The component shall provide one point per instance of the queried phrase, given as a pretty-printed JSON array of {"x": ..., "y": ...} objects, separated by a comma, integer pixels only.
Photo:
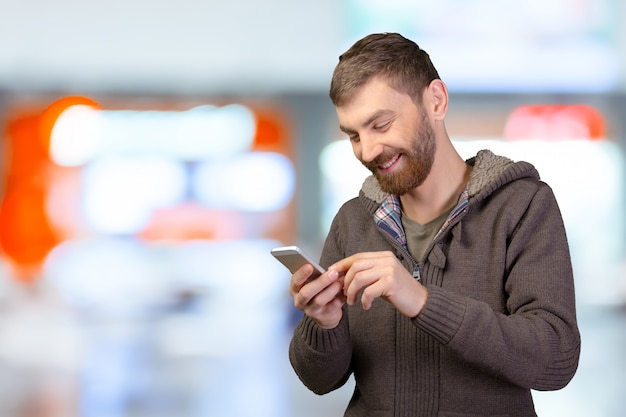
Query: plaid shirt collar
[{"x": 388, "y": 216}]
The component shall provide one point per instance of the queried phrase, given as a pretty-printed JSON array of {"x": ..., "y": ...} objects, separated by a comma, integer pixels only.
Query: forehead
[{"x": 375, "y": 97}]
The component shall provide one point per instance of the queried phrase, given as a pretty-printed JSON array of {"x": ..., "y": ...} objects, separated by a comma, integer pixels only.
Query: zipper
[
  {"x": 416, "y": 265},
  {"x": 457, "y": 213}
]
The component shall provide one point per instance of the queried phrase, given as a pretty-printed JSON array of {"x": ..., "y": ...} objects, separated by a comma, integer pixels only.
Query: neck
[{"x": 439, "y": 193}]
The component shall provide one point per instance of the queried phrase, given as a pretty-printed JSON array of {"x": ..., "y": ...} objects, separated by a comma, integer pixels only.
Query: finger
[
  {"x": 370, "y": 294},
  {"x": 308, "y": 290},
  {"x": 302, "y": 274},
  {"x": 345, "y": 264},
  {"x": 300, "y": 278},
  {"x": 312, "y": 302},
  {"x": 365, "y": 272},
  {"x": 351, "y": 266},
  {"x": 337, "y": 302},
  {"x": 359, "y": 280}
]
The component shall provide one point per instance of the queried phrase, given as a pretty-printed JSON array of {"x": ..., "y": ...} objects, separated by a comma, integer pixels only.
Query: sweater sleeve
[
  {"x": 321, "y": 357},
  {"x": 536, "y": 343}
]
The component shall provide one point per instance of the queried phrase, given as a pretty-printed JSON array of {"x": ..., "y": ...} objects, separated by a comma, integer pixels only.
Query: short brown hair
[{"x": 401, "y": 61}]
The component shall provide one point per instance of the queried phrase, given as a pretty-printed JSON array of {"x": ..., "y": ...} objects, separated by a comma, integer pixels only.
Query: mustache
[{"x": 380, "y": 160}]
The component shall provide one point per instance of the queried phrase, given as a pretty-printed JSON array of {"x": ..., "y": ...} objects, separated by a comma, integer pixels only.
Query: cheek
[{"x": 356, "y": 149}]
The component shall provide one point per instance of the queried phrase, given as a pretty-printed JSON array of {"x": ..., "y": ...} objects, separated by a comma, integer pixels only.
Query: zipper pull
[{"x": 416, "y": 272}]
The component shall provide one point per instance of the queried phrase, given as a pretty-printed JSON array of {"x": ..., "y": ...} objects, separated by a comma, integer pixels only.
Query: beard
[{"x": 417, "y": 162}]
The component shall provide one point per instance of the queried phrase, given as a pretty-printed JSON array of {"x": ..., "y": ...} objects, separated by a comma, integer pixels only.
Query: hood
[{"x": 490, "y": 172}]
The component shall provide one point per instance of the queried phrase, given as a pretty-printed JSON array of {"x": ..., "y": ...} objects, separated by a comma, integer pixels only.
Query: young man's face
[{"x": 390, "y": 135}]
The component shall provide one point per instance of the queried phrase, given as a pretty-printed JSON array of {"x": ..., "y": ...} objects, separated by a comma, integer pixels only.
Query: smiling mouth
[{"x": 389, "y": 163}]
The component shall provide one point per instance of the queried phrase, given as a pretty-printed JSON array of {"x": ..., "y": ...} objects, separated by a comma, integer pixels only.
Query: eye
[
  {"x": 383, "y": 125},
  {"x": 354, "y": 137}
]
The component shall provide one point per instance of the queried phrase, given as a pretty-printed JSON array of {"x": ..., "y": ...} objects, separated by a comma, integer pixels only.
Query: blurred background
[{"x": 154, "y": 152}]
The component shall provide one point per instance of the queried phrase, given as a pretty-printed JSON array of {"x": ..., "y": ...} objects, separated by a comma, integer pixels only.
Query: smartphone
[{"x": 293, "y": 258}]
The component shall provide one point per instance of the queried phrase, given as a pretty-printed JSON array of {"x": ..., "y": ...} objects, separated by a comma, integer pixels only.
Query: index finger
[{"x": 345, "y": 264}]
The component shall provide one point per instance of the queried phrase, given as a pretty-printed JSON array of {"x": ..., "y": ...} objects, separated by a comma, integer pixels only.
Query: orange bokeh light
[
  {"x": 555, "y": 122},
  {"x": 26, "y": 235}
]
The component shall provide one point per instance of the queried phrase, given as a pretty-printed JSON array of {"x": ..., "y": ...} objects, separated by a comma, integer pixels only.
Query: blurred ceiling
[
  {"x": 190, "y": 46},
  {"x": 274, "y": 46}
]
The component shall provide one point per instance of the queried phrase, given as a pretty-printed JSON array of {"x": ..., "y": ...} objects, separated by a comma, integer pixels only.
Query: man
[{"x": 449, "y": 288}]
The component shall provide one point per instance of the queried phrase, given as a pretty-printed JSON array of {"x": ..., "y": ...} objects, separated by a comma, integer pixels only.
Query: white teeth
[{"x": 389, "y": 163}]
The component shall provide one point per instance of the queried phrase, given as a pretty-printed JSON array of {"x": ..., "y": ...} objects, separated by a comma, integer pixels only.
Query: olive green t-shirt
[{"x": 419, "y": 236}]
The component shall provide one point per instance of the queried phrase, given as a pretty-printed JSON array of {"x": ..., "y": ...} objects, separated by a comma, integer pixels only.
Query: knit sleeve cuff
[
  {"x": 324, "y": 340},
  {"x": 442, "y": 314}
]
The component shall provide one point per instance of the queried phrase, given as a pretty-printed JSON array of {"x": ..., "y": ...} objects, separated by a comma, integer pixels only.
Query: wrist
[{"x": 420, "y": 301}]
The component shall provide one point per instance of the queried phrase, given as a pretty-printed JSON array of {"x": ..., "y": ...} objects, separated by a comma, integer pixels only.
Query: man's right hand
[{"x": 321, "y": 298}]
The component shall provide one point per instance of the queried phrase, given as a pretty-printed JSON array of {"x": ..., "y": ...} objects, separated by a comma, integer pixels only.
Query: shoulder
[{"x": 492, "y": 172}]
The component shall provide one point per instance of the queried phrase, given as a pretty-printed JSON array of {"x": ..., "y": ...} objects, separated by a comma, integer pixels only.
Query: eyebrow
[{"x": 374, "y": 116}]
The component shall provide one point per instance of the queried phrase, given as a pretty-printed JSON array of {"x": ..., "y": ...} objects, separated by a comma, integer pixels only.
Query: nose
[{"x": 369, "y": 149}]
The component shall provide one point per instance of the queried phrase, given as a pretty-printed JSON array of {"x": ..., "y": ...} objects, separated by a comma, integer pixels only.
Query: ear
[{"x": 437, "y": 94}]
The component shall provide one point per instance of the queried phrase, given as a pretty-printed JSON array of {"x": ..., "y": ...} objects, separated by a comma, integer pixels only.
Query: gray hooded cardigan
[{"x": 500, "y": 315}]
